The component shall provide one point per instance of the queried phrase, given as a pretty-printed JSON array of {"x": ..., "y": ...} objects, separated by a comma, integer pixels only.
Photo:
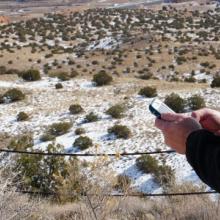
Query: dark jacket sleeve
[{"x": 203, "y": 153}]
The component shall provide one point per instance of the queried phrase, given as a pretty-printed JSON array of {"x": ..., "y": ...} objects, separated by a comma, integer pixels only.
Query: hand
[
  {"x": 209, "y": 119},
  {"x": 176, "y": 128}
]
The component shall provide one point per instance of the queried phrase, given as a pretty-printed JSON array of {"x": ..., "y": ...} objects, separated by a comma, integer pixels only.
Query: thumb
[{"x": 161, "y": 124}]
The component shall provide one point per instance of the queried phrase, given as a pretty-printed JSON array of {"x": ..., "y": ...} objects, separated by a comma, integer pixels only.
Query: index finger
[
  {"x": 200, "y": 114},
  {"x": 172, "y": 116}
]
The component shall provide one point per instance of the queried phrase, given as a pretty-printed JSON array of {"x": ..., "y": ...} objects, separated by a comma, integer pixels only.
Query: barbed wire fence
[
  {"x": 123, "y": 154},
  {"x": 84, "y": 154}
]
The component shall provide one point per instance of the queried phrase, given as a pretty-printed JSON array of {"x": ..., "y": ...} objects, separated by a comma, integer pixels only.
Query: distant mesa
[{"x": 4, "y": 20}]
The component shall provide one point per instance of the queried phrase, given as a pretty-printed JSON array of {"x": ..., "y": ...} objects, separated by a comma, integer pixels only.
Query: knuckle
[
  {"x": 205, "y": 110},
  {"x": 194, "y": 114}
]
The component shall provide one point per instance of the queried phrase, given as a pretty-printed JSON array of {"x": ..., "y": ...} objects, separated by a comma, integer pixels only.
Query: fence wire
[
  {"x": 98, "y": 155},
  {"x": 83, "y": 154}
]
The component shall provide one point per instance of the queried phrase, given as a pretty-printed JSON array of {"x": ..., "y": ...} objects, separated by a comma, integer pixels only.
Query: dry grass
[
  {"x": 15, "y": 206},
  {"x": 129, "y": 208},
  {"x": 97, "y": 206},
  {"x": 4, "y": 140},
  {"x": 21, "y": 57}
]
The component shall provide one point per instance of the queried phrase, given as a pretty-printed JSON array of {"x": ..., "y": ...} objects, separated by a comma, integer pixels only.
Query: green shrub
[
  {"x": 173, "y": 79},
  {"x": 74, "y": 73},
  {"x": 146, "y": 76},
  {"x": 120, "y": 131},
  {"x": 196, "y": 102},
  {"x": 22, "y": 142},
  {"x": 75, "y": 109},
  {"x": 48, "y": 55},
  {"x": 91, "y": 117},
  {"x": 58, "y": 86},
  {"x": 55, "y": 175},
  {"x": 63, "y": 76},
  {"x": 171, "y": 66},
  {"x": 190, "y": 79},
  {"x": 123, "y": 183},
  {"x": 180, "y": 60},
  {"x": 80, "y": 131},
  {"x": 47, "y": 137},
  {"x": 175, "y": 102},
  {"x": 163, "y": 174},
  {"x": 147, "y": 164},
  {"x": 22, "y": 116},
  {"x": 71, "y": 62},
  {"x": 31, "y": 75},
  {"x": 95, "y": 62},
  {"x": 148, "y": 92},
  {"x": 59, "y": 128},
  {"x": 2, "y": 70},
  {"x": 83, "y": 142},
  {"x": 13, "y": 71},
  {"x": 205, "y": 64},
  {"x": 12, "y": 95},
  {"x": 102, "y": 78},
  {"x": 202, "y": 81},
  {"x": 116, "y": 111},
  {"x": 215, "y": 82}
]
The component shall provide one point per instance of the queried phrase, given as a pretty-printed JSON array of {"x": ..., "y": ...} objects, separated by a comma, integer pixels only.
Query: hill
[{"x": 81, "y": 82}]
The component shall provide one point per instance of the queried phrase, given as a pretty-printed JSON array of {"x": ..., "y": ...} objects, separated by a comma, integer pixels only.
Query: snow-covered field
[{"x": 47, "y": 105}]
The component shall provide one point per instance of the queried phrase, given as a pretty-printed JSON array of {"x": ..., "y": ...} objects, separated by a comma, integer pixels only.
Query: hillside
[{"x": 81, "y": 82}]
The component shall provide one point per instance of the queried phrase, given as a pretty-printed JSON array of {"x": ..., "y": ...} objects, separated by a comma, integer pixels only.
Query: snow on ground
[
  {"x": 132, "y": 4},
  {"x": 200, "y": 76},
  {"x": 104, "y": 43},
  {"x": 47, "y": 105}
]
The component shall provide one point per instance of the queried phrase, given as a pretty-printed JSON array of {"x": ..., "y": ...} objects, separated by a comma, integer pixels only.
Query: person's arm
[
  {"x": 203, "y": 154},
  {"x": 201, "y": 146}
]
